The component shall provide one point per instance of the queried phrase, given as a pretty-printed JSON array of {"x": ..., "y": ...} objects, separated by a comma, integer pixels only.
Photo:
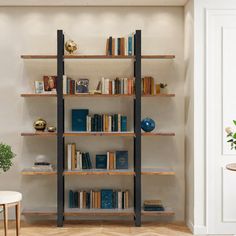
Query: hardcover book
[
  {"x": 106, "y": 198},
  {"x": 79, "y": 119},
  {"x": 121, "y": 159},
  {"x": 101, "y": 161}
]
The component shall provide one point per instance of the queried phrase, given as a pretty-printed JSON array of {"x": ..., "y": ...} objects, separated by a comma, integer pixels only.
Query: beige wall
[{"x": 33, "y": 30}]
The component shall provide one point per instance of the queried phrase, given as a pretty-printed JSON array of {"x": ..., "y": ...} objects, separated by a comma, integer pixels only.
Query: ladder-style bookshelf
[{"x": 61, "y": 134}]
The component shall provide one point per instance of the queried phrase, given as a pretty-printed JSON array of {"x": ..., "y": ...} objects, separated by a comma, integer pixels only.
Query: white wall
[
  {"x": 33, "y": 30},
  {"x": 189, "y": 108}
]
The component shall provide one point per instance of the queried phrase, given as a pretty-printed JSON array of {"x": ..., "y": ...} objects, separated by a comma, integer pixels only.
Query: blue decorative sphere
[{"x": 148, "y": 124}]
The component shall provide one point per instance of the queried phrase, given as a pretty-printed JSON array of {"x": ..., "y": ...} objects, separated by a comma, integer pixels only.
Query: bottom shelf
[
  {"x": 94, "y": 212},
  {"x": 99, "y": 212}
]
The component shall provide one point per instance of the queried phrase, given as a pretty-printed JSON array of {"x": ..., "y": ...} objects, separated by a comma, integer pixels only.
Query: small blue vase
[{"x": 148, "y": 124}]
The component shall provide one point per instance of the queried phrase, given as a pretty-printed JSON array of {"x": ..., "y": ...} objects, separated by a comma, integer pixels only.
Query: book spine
[
  {"x": 110, "y": 46},
  {"x": 119, "y": 200},
  {"x": 130, "y": 44},
  {"x": 108, "y": 160},
  {"x": 119, "y": 122},
  {"x": 81, "y": 199},
  {"x": 69, "y": 157},
  {"x": 119, "y": 51}
]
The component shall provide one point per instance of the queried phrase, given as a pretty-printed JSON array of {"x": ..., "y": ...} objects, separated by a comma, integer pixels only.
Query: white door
[{"x": 220, "y": 111}]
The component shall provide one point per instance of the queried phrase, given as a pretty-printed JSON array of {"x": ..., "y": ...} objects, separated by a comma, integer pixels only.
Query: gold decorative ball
[
  {"x": 70, "y": 46},
  {"x": 40, "y": 124},
  {"x": 51, "y": 129}
]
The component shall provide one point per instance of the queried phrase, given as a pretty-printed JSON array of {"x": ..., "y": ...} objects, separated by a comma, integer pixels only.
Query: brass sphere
[
  {"x": 40, "y": 124},
  {"x": 70, "y": 46}
]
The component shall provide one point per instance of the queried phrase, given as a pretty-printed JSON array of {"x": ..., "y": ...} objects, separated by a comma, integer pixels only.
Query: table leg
[
  {"x": 17, "y": 218},
  {"x": 5, "y": 213}
]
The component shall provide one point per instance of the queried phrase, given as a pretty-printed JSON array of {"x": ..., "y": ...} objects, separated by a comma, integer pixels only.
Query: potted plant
[{"x": 6, "y": 157}]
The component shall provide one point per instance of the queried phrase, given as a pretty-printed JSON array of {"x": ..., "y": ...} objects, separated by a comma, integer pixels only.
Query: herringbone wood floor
[{"x": 99, "y": 229}]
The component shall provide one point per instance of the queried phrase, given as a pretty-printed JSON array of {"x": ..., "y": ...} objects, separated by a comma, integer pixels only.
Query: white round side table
[{"x": 10, "y": 199}]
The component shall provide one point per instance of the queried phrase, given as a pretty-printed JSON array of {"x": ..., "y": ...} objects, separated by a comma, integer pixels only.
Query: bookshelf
[{"x": 60, "y": 212}]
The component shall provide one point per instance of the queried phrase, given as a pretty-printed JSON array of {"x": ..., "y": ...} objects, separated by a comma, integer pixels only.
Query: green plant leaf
[
  {"x": 6, "y": 156},
  {"x": 231, "y": 140},
  {"x": 234, "y": 135},
  {"x": 234, "y": 122}
]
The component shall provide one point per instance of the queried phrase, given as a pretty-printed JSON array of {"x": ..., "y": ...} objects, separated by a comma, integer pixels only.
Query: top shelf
[{"x": 96, "y": 57}]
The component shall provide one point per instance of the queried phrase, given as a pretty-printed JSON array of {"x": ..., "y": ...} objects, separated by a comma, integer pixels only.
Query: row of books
[
  {"x": 99, "y": 199},
  {"x": 148, "y": 85},
  {"x": 117, "y": 86},
  {"x": 72, "y": 86},
  {"x": 153, "y": 205},
  {"x": 106, "y": 123},
  {"x": 77, "y": 160},
  {"x": 120, "y": 46},
  {"x": 112, "y": 160},
  {"x": 82, "y": 121}
]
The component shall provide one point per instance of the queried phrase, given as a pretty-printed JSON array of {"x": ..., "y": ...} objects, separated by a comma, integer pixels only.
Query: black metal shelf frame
[{"x": 60, "y": 129}]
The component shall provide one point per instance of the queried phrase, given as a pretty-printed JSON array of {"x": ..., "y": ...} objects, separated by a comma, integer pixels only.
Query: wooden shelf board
[
  {"x": 98, "y": 212},
  {"x": 158, "y": 134},
  {"x": 32, "y": 172},
  {"x": 158, "y": 56},
  {"x": 100, "y": 172},
  {"x": 38, "y": 56},
  {"x": 167, "y": 212},
  {"x": 38, "y": 95},
  {"x": 159, "y": 95},
  {"x": 42, "y": 134},
  {"x": 120, "y": 134},
  {"x": 40, "y": 212},
  {"x": 157, "y": 171},
  {"x": 98, "y": 95},
  {"x": 96, "y": 57}
]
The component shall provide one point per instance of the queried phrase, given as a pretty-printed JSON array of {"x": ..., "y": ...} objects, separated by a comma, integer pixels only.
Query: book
[
  {"x": 71, "y": 199},
  {"x": 101, "y": 161},
  {"x": 79, "y": 119},
  {"x": 123, "y": 123},
  {"x": 68, "y": 156},
  {"x": 106, "y": 198},
  {"x": 122, "y": 159},
  {"x": 82, "y": 86}
]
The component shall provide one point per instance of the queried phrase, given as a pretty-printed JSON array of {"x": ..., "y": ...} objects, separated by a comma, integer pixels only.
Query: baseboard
[{"x": 196, "y": 230}]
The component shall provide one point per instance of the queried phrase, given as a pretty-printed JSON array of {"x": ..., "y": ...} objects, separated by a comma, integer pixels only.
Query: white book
[
  {"x": 64, "y": 84},
  {"x": 110, "y": 123},
  {"x": 119, "y": 122},
  {"x": 122, "y": 85},
  {"x": 125, "y": 85},
  {"x": 108, "y": 159},
  {"x": 78, "y": 161},
  {"x": 91, "y": 198},
  {"x": 103, "y": 85},
  {"x": 89, "y": 124},
  {"x": 119, "y": 200},
  {"x": 69, "y": 156},
  {"x": 81, "y": 199},
  {"x": 126, "y": 46},
  {"x": 116, "y": 46},
  {"x": 113, "y": 86},
  {"x": 106, "y": 86}
]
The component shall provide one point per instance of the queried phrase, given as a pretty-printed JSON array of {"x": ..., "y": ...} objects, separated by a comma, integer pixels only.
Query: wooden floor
[{"x": 99, "y": 229}]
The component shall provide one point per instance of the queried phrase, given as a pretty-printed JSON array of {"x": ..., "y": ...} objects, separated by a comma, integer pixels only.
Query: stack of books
[
  {"x": 120, "y": 46},
  {"x": 106, "y": 123},
  {"x": 42, "y": 166},
  {"x": 148, "y": 86},
  {"x": 99, "y": 199},
  {"x": 112, "y": 160},
  {"x": 76, "y": 160},
  {"x": 116, "y": 86},
  {"x": 153, "y": 205}
]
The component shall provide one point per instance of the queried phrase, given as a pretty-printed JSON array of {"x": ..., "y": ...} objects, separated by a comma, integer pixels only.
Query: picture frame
[{"x": 39, "y": 87}]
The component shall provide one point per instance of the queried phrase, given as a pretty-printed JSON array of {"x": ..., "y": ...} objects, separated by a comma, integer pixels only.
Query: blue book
[
  {"x": 71, "y": 199},
  {"x": 101, "y": 161},
  {"x": 76, "y": 199},
  {"x": 106, "y": 198},
  {"x": 123, "y": 123},
  {"x": 88, "y": 160},
  {"x": 79, "y": 122},
  {"x": 121, "y": 159},
  {"x": 130, "y": 51}
]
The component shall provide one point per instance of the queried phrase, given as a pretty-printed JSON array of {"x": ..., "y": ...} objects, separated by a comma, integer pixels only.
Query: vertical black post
[
  {"x": 137, "y": 129},
  {"x": 60, "y": 129}
]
